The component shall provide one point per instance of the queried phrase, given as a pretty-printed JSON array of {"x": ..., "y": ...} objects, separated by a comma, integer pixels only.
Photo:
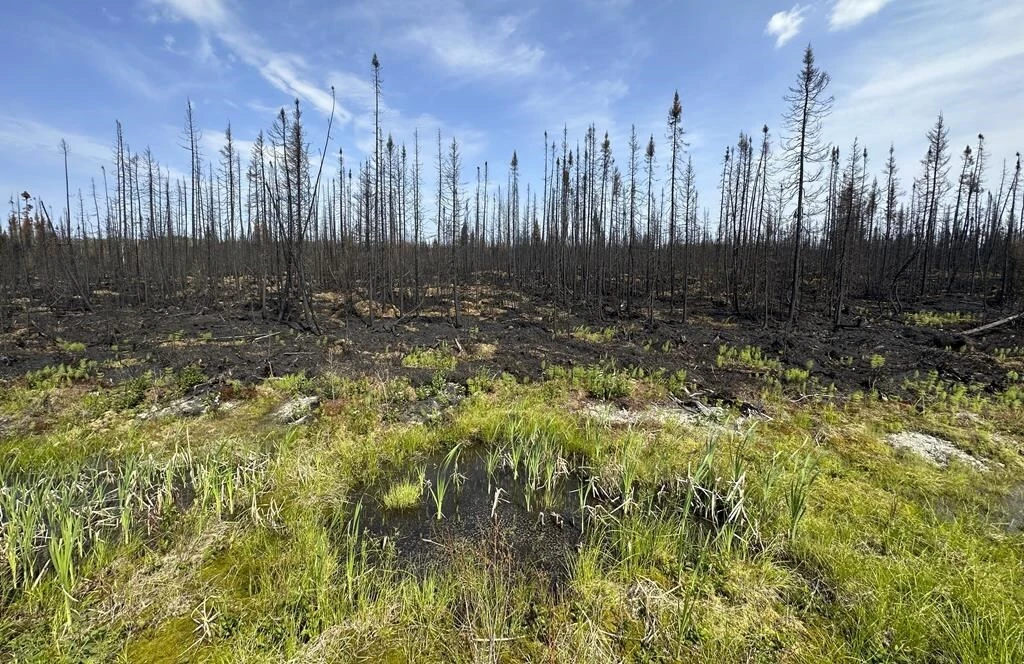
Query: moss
[{"x": 168, "y": 642}]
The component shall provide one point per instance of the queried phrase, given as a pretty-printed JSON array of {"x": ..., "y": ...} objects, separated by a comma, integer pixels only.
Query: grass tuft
[{"x": 402, "y": 495}]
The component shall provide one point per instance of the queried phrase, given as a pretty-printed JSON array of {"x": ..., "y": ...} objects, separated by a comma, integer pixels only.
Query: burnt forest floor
[{"x": 540, "y": 483}]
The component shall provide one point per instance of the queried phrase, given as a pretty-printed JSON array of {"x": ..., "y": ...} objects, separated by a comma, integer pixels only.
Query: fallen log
[{"x": 992, "y": 325}]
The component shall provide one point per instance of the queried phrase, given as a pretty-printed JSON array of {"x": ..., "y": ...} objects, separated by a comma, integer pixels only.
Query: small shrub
[
  {"x": 296, "y": 383},
  {"x": 676, "y": 383},
  {"x": 796, "y": 376},
  {"x": 125, "y": 396},
  {"x": 188, "y": 377}
]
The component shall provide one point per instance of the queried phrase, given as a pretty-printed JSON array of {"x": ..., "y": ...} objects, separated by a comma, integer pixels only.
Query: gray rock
[
  {"x": 184, "y": 407},
  {"x": 296, "y": 411},
  {"x": 938, "y": 451}
]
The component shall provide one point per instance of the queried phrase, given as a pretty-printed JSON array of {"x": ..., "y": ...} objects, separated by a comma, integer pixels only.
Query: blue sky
[{"x": 495, "y": 75}]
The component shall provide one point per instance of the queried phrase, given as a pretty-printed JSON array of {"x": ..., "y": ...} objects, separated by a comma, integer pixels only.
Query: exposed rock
[
  {"x": 611, "y": 414},
  {"x": 296, "y": 411},
  {"x": 938, "y": 451},
  {"x": 184, "y": 407},
  {"x": 432, "y": 407}
]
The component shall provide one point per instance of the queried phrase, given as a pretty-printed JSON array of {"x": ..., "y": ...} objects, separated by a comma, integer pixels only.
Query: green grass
[
  {"x": 803, "y": 537},
  {"x": 439, "y": 359},
  {"x": 402, "y": 495}
]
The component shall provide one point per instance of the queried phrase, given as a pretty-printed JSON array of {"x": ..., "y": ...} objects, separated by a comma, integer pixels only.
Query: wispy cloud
[
  {"x": 576, "y": 104},
  {"x": 291, "y": 73},
  {"x": 848, "y": 13},
  {"x": 920, "y": 65},
  {"x": 110, "y": 16},
  {"x": 124, "y": 64},
  {"x": 285, "y": 71},
  {"x": 466, "y": 47},
  {"x": 212, "y": 141},
  {"x": 785, "y": 25},
  {"x": 34, "y": 147},
  {"x": 40, "y": 140},
  {"x": 463, "y": 42},
  {"x": 209, "y": 13}
]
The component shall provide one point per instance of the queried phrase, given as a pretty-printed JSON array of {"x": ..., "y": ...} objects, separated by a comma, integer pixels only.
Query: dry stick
[
  {"x": 992, "y": 325},
  {"x": 406, "y": 315},
  {"x": 309, "y": 215},
  {"x": 245, "y": 337}
]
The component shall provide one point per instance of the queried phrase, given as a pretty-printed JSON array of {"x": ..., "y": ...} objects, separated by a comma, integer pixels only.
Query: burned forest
[{"x": 303, "y": 400}]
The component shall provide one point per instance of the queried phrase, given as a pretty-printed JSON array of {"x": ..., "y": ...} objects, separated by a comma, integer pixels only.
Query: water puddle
[{"x": 475, "y": 498}]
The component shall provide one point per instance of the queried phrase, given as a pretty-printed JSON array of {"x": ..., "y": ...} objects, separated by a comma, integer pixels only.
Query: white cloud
[
  {"x": 212, "y": 141},
  {"x": 110, "y": 16},
  {"x": 576, "y": 104},
  {"x": 351, "y": 88},
  {"x": 785, "y": 25},
  {"x": 32, "y": 137},
  {"x": 285, "y": 71},
  {"x": 461, "y": 40},
  {"x": 211, "y": 13},
  {"x": 290, "y": 73},
  {"x": 469, "y": 48},
  {"x": 34, "y": 147},
  {"x": 126, "y": 65},
  {"x": 919, "y": 65},
  {"x": 848, "y": 13}
]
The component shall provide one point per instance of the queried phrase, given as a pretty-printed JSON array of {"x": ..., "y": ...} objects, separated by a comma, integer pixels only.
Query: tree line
[{"x": 801, "y": 223}]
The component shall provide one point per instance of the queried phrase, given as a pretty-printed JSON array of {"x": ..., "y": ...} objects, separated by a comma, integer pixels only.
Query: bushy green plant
[
  {"x": 796, "y": 376},
  {"x": 125, "y": 396},
  {"x": 188, "y": 377}
]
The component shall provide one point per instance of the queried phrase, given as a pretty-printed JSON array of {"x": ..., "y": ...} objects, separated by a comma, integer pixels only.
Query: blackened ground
[
  {"x": 503, "y": 333},
  {"x": 542, "y": 537}
]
